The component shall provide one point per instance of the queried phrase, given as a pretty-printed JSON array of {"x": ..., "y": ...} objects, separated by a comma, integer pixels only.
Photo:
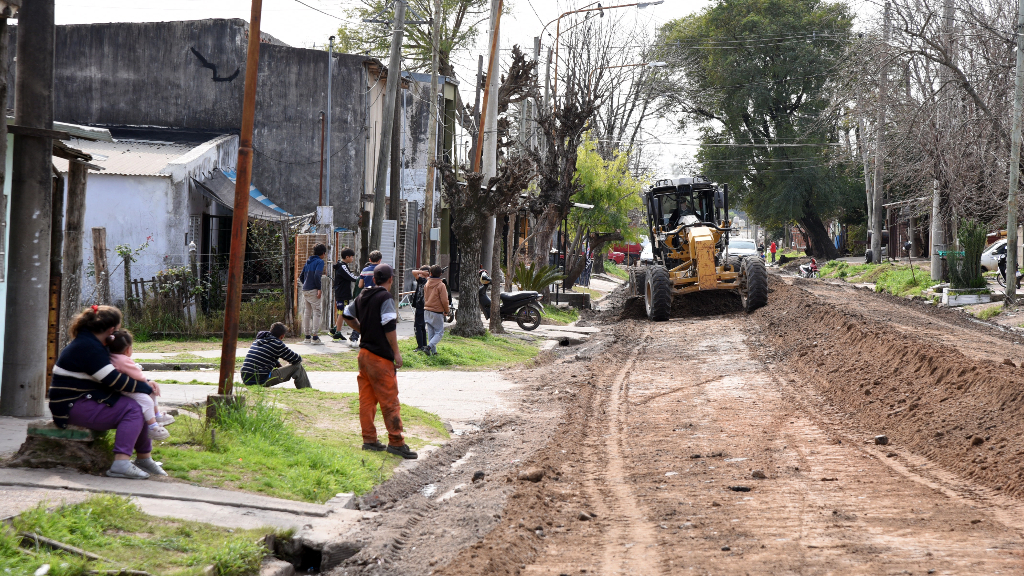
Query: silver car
[{"x": 742, "y": 247}]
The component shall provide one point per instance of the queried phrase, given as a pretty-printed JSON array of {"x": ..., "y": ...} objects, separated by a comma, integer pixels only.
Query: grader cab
[{"x": 689, "y": 226}]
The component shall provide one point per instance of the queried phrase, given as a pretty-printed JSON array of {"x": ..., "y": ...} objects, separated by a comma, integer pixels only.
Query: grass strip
[
  {"x": 487, "y": 351},
  {"x": 116, "y": 529},
  {"x": 295, "y": 444},
  {"x": 559, "y": 315},
  {"x": 613, "y": 269},
  {"x": 895, "y": 279}
]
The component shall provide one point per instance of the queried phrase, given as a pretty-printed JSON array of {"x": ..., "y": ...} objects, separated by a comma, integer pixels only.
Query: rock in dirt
[
  {"x": 726, "y": 548},
  {"x": 584, "y": 517},
  {"x": 977, "y": 441},
  {"x": 1008, "y": 362},
  {"x": 275, "y": 567},
  {"x": 759, "y": 474},
  {"x": 531, "y": 474},
  {"x": 882, "y": 440},
  {"x": 740, "y": 488},
  {"x": 830, "y": 479},
  {"x": 478, "y": 476}
]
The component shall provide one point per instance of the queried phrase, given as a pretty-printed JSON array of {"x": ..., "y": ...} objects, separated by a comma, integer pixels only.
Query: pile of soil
[
  {"x": 793, "y": 264},
  {"x": 960, "y": 411}
]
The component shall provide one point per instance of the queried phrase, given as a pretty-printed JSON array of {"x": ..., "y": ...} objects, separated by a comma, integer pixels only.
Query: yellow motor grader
[{"x": 689, "y": 226}]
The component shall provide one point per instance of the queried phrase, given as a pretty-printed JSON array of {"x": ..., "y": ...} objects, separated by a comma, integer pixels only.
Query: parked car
[
  {"x": 617, "y": 257},
  {"x": 742, "y": 247},
  {"x": 630, "y": 252},
  {"x": 989, "y": 262}
]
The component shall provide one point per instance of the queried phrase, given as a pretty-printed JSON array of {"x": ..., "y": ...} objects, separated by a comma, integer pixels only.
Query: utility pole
[
  {"x": 489, "y": 125},
  {"x": 883, "y": 96},
  {"x": 327, "y": 163},
  {"x": 938, "y": 232},
  {"x": 240, "y": 220},
  {"x": 1011, "y": 202},
  {"x": 386, "y": 125},
  {"x": 428, "y": 200},
  {"x": 23, "y": 385}
]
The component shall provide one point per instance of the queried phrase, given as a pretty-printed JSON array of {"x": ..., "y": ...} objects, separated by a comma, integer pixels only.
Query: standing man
[
  {"x": 311, "y": 294},
  {"x": 418, "y": 301},
  {"x": 343, "y": 279},
  {"x": 373, "y": 314},
  {"x": 366, "y": 281},
  {"x": 435, "y": 304},
  {"x": 772, "y": 249}
]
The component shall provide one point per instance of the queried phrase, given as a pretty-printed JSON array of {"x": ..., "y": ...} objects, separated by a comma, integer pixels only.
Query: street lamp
[
  {"x": 590, "y": 76},
  {"x": 601, "y": 9}
]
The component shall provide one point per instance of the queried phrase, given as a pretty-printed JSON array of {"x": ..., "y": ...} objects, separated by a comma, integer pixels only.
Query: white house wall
[{"x": 134, "y": 209}]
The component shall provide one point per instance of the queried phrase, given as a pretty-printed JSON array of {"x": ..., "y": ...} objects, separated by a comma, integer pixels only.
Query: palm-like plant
[{"x": 536, "y": 278}]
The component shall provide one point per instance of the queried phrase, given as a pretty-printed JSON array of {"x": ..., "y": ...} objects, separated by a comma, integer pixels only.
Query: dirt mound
[
  {"x": 793, "y": 264},
  {"x": 959, "y": 411}
]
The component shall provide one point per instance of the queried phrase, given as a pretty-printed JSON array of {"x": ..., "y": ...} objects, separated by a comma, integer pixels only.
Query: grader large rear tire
[
  {"x": 637, "y": 282},
  {"x": 733, "y": 264},
  {"x": 658, "y": 294},
  {"x": 755, "y": 284}
]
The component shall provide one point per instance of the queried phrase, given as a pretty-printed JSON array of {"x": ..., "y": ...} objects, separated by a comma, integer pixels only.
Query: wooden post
[
  {"x": 56, "y": 248},
  {"x": 71, "y": 287},
  {"x": 99, "y": 258}
]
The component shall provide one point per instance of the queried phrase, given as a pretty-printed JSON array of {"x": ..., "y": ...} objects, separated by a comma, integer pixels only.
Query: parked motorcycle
[
  {"x": 809, "y": 270},
  {"x": 1001, "y": 277},
  {"x": 521, "y": 307}
]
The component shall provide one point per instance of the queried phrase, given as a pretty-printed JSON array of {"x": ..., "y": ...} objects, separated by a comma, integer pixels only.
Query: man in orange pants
[{"x": 373, "y": 315}]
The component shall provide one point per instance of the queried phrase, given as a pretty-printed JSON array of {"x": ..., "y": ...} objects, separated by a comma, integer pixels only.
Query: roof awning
[{"x": 220, "y": 188}]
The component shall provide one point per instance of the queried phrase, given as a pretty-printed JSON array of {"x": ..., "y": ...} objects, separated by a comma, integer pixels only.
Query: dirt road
[{"x": 728, "y": 444}]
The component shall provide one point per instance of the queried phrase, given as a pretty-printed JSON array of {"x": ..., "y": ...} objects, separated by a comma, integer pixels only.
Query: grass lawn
[
  {"x": 594, "y": 294},
  {"x": 613, "y": 269},
  {"x": 115, "y": 529},
  {"x": 559, "y": 315},
  {"x": 177, "y": 345},
  {"x": 295, "y": 444},
  {"x": 896, "y": 279},
  {"x": 487, "y": 351}
]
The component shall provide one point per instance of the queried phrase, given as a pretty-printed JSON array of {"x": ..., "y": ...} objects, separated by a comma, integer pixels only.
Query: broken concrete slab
[{"x": 164, "y": 489}]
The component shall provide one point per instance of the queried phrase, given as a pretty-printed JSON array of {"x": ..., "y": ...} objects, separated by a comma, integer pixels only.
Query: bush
[
  {"x": 965, "y": 264},
  {"x": 535, "y": 278}
]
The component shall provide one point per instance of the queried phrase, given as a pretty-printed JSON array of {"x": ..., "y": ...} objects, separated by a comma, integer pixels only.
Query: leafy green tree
[
  {"x": 759, "y": 78},
  {"x": 613, "y": 192},
  {"x": 461, "y": 22}
]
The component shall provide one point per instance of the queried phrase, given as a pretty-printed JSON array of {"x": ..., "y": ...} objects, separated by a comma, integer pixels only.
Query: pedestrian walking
[
  {"x": 374, "y": 315},
  {"x": 366, "y": 281},
  {"x": 344, "y": 277},
  {"x": 435, "y": 308},
  {"x": 772, "y": 249},
  {"x": 420, "y": 325},
  {"x": 262, "y": 366},
  {"x": 312, "y": 294}
]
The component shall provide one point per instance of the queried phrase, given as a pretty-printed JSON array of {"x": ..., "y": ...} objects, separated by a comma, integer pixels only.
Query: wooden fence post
[
  {"x": 71, "y": 291},
  {"x": 99, "y": 258}
]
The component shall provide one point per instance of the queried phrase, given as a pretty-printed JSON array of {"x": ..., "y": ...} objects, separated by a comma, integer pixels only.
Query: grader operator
[{"x": 688, "y": 224}]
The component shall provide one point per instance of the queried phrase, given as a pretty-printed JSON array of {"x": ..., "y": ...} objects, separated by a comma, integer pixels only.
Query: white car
[
  {"x": 988, "y": 257},
  {"x": 742, "y": 247}
]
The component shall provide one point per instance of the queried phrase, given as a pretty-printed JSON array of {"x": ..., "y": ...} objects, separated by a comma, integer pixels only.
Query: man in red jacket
[{"x": 772, "y": 249}]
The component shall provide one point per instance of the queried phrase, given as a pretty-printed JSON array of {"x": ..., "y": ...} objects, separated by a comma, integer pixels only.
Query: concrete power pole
[
  {"x": 428, "y": 200},
  {"x": 1011, "y": 202},
  {"x": 490, "y": 152},
  {"x": 938, "y": 234},
  {"x": 883, "y": 96},
  {"x": 23, "y": 387},
  {"x": 386, "y": 125},
  {"x": 327, "y": 161}
]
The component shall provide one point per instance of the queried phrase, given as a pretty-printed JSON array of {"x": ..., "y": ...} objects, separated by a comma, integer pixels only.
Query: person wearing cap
[{"x": 374, "y": 316}]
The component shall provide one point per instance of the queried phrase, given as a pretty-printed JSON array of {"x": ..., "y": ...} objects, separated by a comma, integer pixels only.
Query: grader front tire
[
  {"x": 755, "y": 280},
  {"x": 658, "y": 294}
]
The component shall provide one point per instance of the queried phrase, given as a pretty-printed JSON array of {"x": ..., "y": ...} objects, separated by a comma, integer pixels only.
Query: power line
[{"x": 318, "y": 10}]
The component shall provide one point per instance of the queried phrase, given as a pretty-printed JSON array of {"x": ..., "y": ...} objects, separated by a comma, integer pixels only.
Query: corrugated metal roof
[{"x": 126, "y": 157}]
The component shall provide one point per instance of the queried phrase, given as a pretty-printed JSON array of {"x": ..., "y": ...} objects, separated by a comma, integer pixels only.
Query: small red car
[{"x": 617, "y": 257}]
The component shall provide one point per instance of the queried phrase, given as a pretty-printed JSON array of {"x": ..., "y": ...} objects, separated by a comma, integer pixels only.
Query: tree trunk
[
  {"x": 496, "y": 283},
  {"x": 467, "y": 317},
  {"x": 598, "y": 242},
  {"x": 547, "y": 225},
  {"x": 819, "y": 245}
]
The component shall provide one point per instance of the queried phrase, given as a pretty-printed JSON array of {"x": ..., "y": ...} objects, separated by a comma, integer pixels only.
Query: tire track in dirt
[{"x": 630, "y": 542}]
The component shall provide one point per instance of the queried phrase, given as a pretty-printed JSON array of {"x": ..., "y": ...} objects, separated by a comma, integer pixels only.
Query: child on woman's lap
[{"x": 120, "y": 349}]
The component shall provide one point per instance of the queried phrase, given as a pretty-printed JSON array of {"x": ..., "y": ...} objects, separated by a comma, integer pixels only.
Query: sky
[{"x": 311, "y": 22}]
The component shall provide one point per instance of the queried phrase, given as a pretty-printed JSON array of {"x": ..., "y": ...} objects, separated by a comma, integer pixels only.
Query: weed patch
[
  {"x": 115, "y": 529},
  {"x": 613, "y": 269},
  {"x": 559, "y": 315},
  {"x": 295, "y": 444},
  {"x": 988, "y": 312},
  {"x": 896, "y": 279}
]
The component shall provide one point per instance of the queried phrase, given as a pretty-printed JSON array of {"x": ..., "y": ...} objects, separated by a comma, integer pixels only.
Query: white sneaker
[
  {"x": 164, "y": 419},
  {"x": 129, "y": 471},
  {"x": 158, "y": 432},
  {"x": 353, "y": 344},
  {"x": 149, "y": 466}
]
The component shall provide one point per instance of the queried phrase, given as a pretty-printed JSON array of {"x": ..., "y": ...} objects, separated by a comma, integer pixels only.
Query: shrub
[
  {"x": 965, "y": 264},
  {"x": 535, "y": 278}
]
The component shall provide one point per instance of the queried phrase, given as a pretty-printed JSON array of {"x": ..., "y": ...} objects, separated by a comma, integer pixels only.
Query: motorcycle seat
[{"x": 520, "y": 295}]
